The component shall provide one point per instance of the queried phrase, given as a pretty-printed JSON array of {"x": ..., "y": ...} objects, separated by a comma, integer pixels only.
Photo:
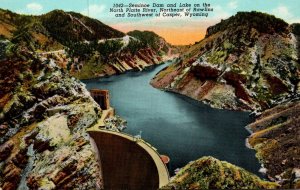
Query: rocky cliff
[
  {"x": 247, "y": 62},
  {"x": 276, "y": 138},
  {"x": 44, "y": 114}
]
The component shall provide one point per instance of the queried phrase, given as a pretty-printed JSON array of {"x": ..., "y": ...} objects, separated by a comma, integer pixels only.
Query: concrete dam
[{"x": 128, "y": 162}]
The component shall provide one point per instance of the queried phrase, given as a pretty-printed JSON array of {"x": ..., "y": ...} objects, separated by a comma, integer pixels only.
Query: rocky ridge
[
  {"x": 136, "y": 51},
  {"x": 275, "y": 137},
  {"x": 242, "y": 64},
  {"x": 44, "y": 114},
  {"x": 248, "y": 62},
  {"x": 85, "y": 46}
]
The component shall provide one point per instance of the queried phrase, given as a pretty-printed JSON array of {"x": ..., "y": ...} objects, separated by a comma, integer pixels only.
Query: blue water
[{"x": 177, "y": 126}]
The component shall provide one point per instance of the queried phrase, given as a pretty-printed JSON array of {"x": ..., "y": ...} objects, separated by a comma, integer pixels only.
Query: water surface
[{"x": 177, "y": 126}]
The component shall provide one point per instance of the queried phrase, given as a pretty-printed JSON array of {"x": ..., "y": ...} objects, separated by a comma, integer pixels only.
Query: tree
[
  {"x": 134, "y": 46},
  {"x": 109, "y": 48},
  {"x": 81, "y": 50}
]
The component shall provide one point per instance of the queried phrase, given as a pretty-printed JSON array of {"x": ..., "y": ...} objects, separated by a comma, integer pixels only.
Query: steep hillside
[
  {"x": 151, "y": 39},
  {"x": 85, "y": 46},
  {"x": 210, "y": 173},
  {"x": 135, "y": 51},
  {"x": 247, "y": 62},
  {"x": 44, "y": 114},
  {"x": 54, "y": 30},
  {"x": 68, "y": 27},
  {"x": 276, "y": 138},
  {"x": 7, "y": 20}
]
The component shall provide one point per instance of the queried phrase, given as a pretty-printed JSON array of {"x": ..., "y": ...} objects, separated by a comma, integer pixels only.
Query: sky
[{"x": 177, "y": 31}]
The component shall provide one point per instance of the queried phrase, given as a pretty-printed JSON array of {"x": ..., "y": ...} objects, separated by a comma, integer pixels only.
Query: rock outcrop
[
  {"x": 242, "y": 64},
  {"x": 123, "y": 62},
  {"x": 44, "y": 114},
  {"x": 276, "y": 138},
  {"x": 137, "y": 51},
  {"x": 210, "y": 173}
]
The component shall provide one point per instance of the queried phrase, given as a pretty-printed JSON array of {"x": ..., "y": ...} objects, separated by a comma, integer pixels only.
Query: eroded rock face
[
  {"x": 43, "y": 121},
  {"x": 126, "y": 61},
  {"x": 276, "y": 138},
  {"x": 210, "y": 173},
  {"x": 242, "y": 64},
  {"x": 248, "y": 62},
  {"x": 128, "y": 58}
]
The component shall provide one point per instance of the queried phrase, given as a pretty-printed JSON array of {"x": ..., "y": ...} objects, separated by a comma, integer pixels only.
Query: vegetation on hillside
[
  {"x": 135, "y": 45},
  {"x": 210, "y": 173},
  {"x": 56, "y": 27},
  {"x": 80, "y": 43},
  {"x": 147, "y": 38},
  {"x": 109, "y": 48},
  {"x": 262, "y": 22},
  {"x": 255, "y": 60},
  {"x": 68, "y": 27}
]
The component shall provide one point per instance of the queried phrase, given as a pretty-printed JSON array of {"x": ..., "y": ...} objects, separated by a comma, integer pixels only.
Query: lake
[{"x": 177, "y": 126}]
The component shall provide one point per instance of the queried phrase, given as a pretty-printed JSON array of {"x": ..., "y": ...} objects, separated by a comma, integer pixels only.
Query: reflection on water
[{"x": 179, "y": 127}]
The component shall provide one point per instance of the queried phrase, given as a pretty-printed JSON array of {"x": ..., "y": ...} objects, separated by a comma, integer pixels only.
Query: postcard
[{"x": 137, "y": 95}]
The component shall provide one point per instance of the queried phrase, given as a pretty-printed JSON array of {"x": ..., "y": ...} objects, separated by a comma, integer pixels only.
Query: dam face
[{"x": 128, "y": 163}]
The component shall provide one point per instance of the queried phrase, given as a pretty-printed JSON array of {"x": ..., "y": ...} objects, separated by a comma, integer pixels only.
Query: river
[{"x": 177, "y": 126}]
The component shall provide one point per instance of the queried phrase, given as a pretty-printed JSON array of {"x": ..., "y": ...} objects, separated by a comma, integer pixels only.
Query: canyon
[{"x": 248, "y": 62}]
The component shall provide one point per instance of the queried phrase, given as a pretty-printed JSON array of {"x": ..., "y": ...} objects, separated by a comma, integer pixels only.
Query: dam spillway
[{"x": 128, "y": 162}]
